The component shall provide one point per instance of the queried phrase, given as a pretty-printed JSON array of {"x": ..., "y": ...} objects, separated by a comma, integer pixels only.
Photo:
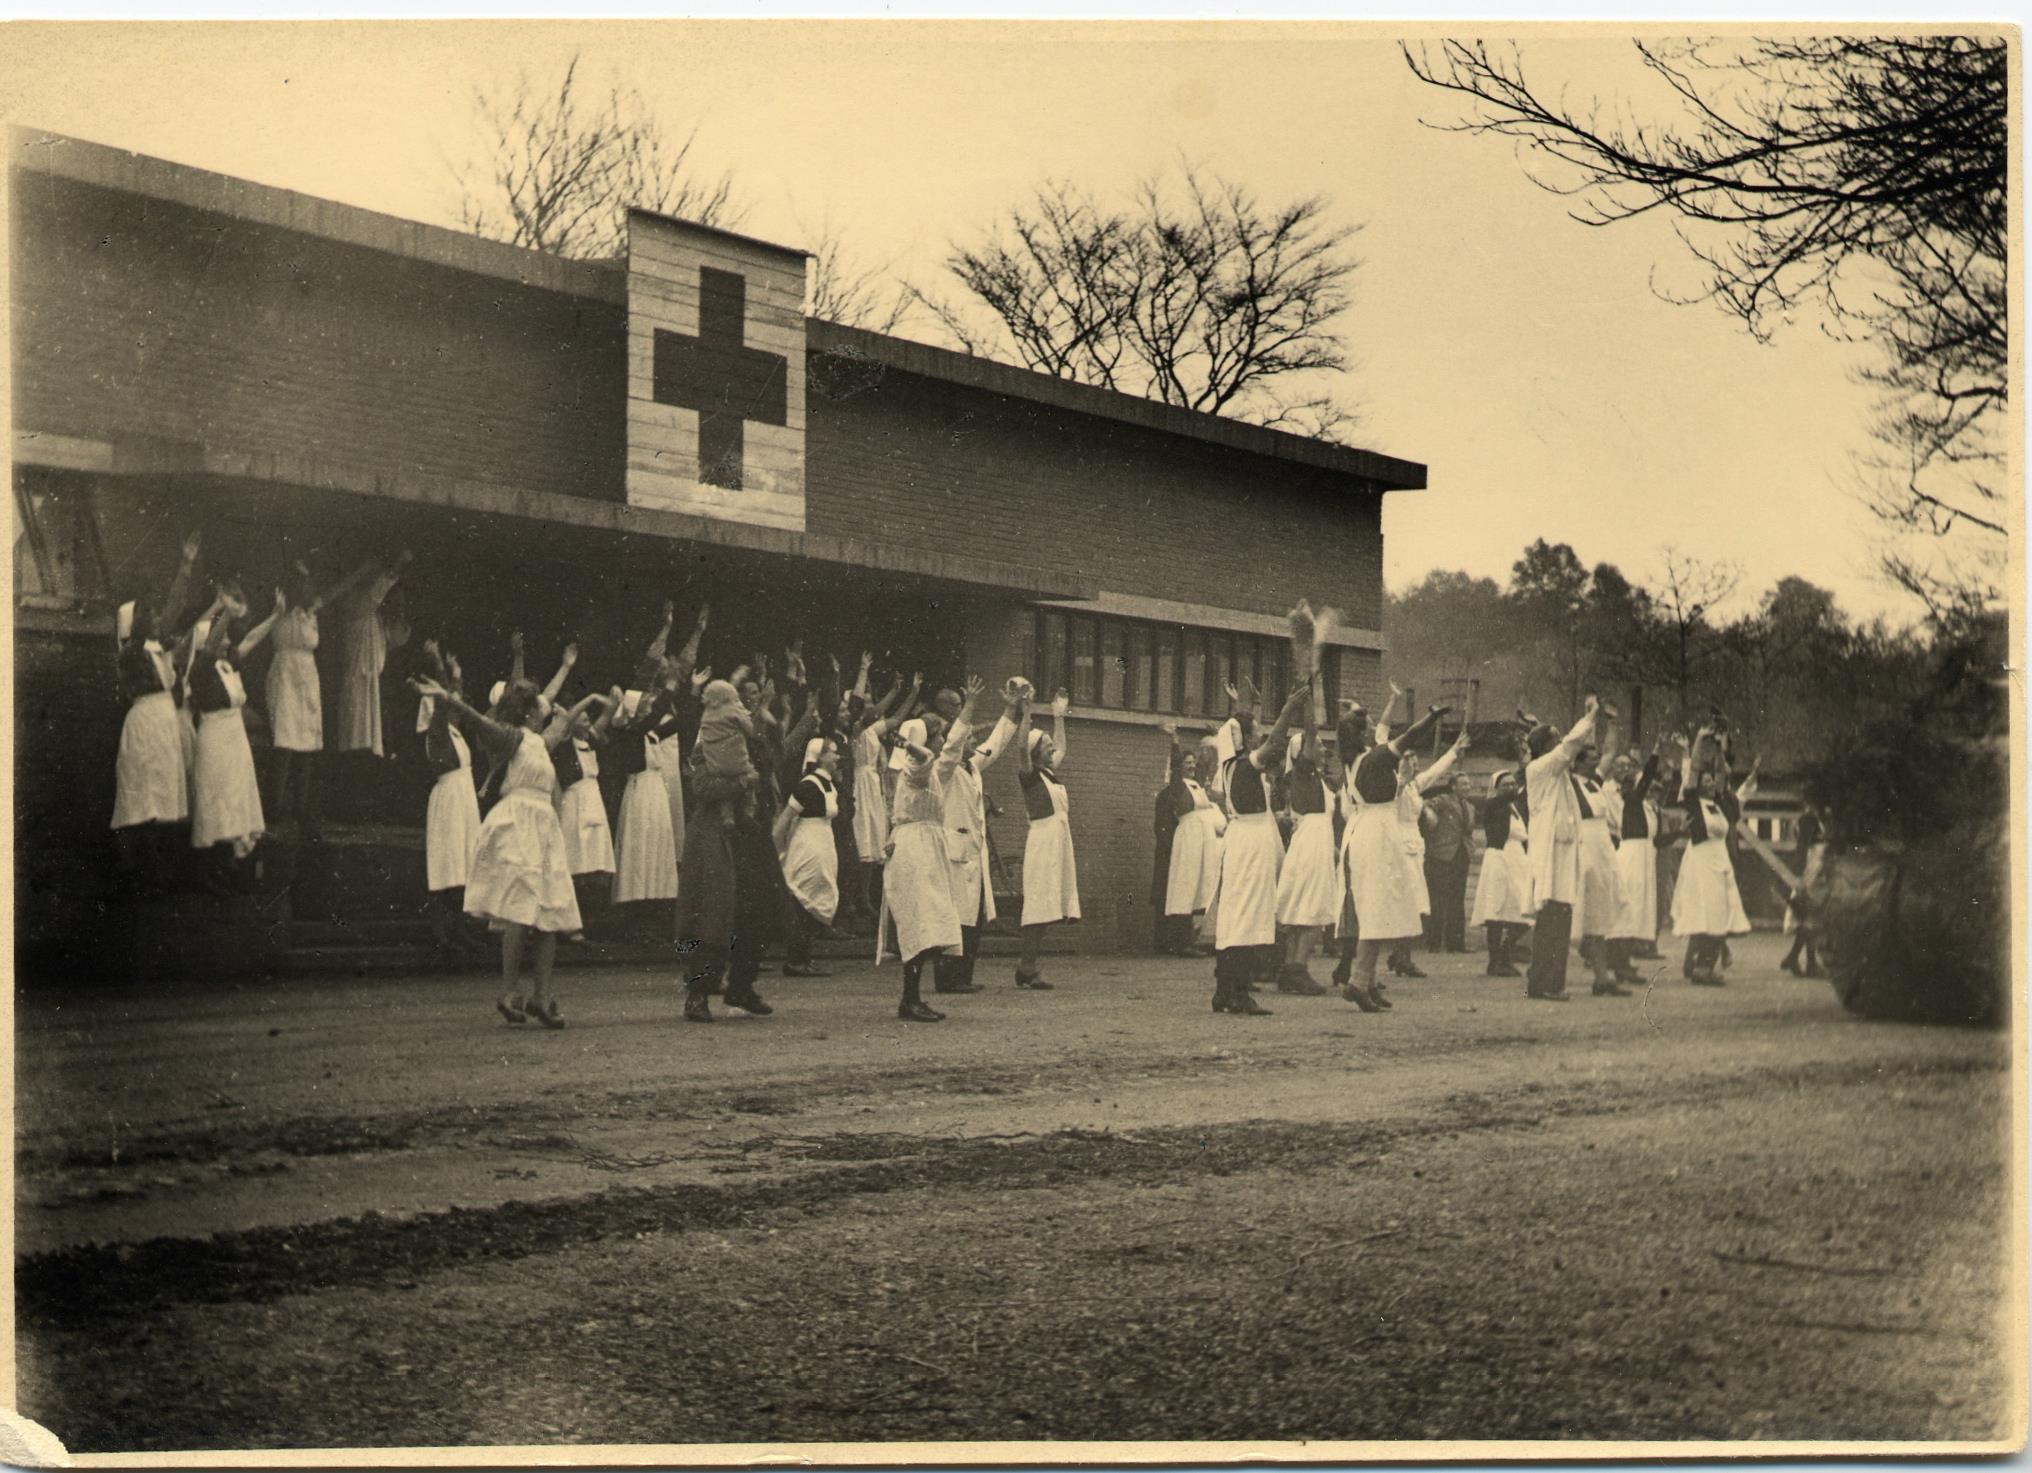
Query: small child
[{"x": 722, "y": 747}]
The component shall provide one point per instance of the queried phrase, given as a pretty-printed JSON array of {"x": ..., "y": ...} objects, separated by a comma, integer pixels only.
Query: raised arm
[
  {"x": 346, "y": 584},
  {"x": 1441, "y": 770},
  {"x": 515, "y": 663},
  {"x": 498, "y": 735},
  {"x": 559, "y": 728},
  {"x": 861, "y": 680},
  {"x": 1748, "y": 788},
  {"x": 661, "y": 643},
  {"x": 606, "y": 721},
  {"x": 1384, "y": 721},
  {"x": 1059, "y": 703},
  {"x": 1269, "y": 753},
  {"x": 179, "y": 585},
  {"x": 687, "y": 658},
  {"x": 987, "y": 752},
  {"x": 571, "y": 658},
  {"x": 960, "y": 729},
  {"x": 1413, "y": 734},
  {"x": 251, "y": 640}
]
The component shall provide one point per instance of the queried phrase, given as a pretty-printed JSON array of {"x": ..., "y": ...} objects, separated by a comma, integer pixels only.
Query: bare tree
[
  {"x": 838, "y": 288},
  {"x": 1684, "y": 598},
  {"x": 557, "y": 170},
  {"x": 1194, "y": 294},
  {"x": 1864, "y": 176}
]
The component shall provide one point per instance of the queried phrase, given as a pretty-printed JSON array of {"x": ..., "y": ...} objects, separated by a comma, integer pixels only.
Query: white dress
[
  {"x": 150, "y": 779},
  {"x": 1706, "y": 900},
  {"x": 1195, "y": 856},
  {"x": 1636, "y": 917},
  {"x": 1050, "y": 872},
  {"x": 296, "y": 713},
  {"x": 645, "y": 864},
  {"x": 1410, "y": 804},
  {"x": 519, "y": 874},
  {"x": 1503, "y": 893},
  {"x": 451, "y": 824},
  {"x": 1597, "y": 908},
  {"x": 811, "y": 860},
  {"x": 871, "y": 802},
  {"x": 227, "y": 798},
  {"x": 1377, "y": 868},
  {"x": 917, "y": 882},
  {"x": 364, "y": 654},
  {"x": 582, "y": 815},
  {"x": 1308, "y": 887},
  {"x": 1244, "y": 908}
]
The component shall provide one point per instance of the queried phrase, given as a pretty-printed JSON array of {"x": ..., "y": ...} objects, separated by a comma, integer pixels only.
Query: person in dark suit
[{"x": 1446, "y": 822}]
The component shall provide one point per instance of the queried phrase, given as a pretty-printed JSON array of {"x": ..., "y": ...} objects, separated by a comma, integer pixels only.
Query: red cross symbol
[{"x": 718, "y": 375}]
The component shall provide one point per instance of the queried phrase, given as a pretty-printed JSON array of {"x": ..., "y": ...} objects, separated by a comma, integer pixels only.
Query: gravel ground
[{"x": 277, "y": 1218}]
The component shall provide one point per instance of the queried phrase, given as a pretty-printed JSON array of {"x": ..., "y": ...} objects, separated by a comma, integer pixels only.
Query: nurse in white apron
[
  {"x": 1050, "y": 870},
  {"x": 1503, "y": 893},
  {"x": 226, "y": 798},
  {"x": 1373, "y": 857},
  {"x": 811, "y": 854},
  {"x": 1707, "y": 905},
  {"x": 1252, "y": 855},
  {"x": 451, "y": 823}
]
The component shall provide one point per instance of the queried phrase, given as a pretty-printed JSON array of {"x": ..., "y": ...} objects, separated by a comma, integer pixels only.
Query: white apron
[
  {"x": 1244, "y": 907},
  {"x": 151, "y": 783},
  {"x": 451, "y": 823},
  {"x": 582, "y": 815},
  {"x": 645, "y": 866},
  {"x": 1706, "y": 901},
  {"x": 1503, "y": 893},
  {"x": 1050, "y": 874},
  {"x": 296, "y": 714},
  {"x": 1308, "y": 888},
  {"x": 917, "y": 890},
  {"x": 1378, "y": 871},
  {"x": 811, "y": 861},
  {"x": 519, "y": 874},
  {"x": 871, "y": 801},
  {"x": 226, "y": 806},
  {"x": 1411, "y": 803},
  {"x": 667, "y": 758},
  {"x": 1636, "y": 916},
  {"x": 1596, "y": 909},
  {"x": 1195, "y": 856}
]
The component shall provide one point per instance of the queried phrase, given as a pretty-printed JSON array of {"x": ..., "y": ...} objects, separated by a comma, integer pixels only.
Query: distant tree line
[{"x": 1792, "y": 672}]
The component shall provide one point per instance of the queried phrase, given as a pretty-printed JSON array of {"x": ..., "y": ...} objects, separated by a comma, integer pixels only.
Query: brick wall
[
  {"x": 142, "y": 318},
  {"x": 943, "y": 467}
]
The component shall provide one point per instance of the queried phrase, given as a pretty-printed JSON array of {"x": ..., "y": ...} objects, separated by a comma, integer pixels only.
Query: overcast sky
[{"x": 1526, "y": 360}]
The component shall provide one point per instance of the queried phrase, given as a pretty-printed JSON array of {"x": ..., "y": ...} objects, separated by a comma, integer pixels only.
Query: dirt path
[{"x": 1102, "y": 1213}]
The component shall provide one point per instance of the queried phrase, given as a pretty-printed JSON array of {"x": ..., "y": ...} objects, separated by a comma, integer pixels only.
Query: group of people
[
  {"x": 185, "y": 775},
  {"x": 1287, "y": 845},
  {"x": 739, "y": 795},
  {"x": 742, "y": 793}
]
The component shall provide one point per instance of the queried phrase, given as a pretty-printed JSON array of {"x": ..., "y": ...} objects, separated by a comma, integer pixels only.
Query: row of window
[{"x": 1171, "y": 669}]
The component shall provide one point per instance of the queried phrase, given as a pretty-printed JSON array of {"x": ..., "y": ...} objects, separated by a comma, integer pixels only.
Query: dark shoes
[
  {"x": 1299, "y": 982},
  {"x": 1032, "y": 981},
  {"x": 1610, "y": 989},
  {"x": 511, "y": 1008},
  {"x": 917, "y": 1012},
  {"x": 1364, "y": 998},
  {"x": 792, "y": 970},
  {"x": 1503, "y": 969},
  {"x": 549, "y": 1016},
  {"x": 697, "y": 1009},
  {"x": 749, "y": 1001},
  {"x": 1560, "y": 996}
]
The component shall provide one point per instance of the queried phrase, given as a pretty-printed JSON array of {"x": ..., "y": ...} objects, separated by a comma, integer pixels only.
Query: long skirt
[
  {"x": 1308, "y": 890},
  {"x": 971, "y": 901},
  {"x": 811, "y": 868},
  {"x": 1379, "y": 875},
  {"x": 1706, "y": 901},
  {"x": 588, "y": 842},
  {"x": 1245, "y": 906},
  {"x": 296, "y": 713},
  {"x": 646, "y": 854},
  {"x": 226, "y": 806},
  {"x": 871, "y": 814},
  {"x": 1597, "y": 908},
  {"x": 1636, "y": 892},
  {"x": 150, "y": 780},
  {"x": 1503, "y": 893},
  {"x": 1050, "y": 875},
  {"x": 451, "y": 830},
  {"x": 1414, "y": 875},
  {"x": 360, "y": 712},
  {"x": 519, "y": 874},
  {"x": 667, "y": 760},
  {"x": 1195, "y": 863},
  {"x": 917, "y": 891}
]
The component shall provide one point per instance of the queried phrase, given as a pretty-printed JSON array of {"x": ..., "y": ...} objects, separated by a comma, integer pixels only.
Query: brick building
[{"x": 290, "y": 374}]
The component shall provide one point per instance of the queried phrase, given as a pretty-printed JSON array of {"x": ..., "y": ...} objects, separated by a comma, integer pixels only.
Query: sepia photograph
[{"x": 1013, "y": 742}]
